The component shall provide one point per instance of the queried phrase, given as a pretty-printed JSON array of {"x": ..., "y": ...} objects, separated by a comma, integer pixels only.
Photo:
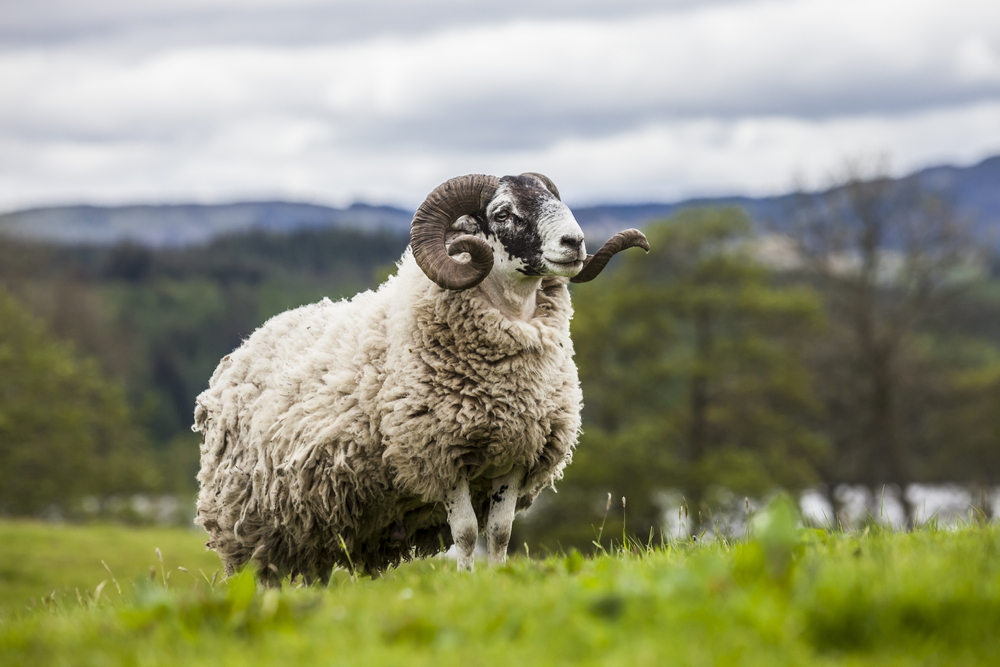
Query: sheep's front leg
[
  {"x": 464, "y": 526},
  {"x": 502, "y": 503}
]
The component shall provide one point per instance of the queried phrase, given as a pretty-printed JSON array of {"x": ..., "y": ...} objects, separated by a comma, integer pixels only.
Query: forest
[{"x": 856, "y": 346}]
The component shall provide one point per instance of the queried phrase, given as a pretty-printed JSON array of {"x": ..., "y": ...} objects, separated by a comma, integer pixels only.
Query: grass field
[
  {"x": 790, "y": 596},
  {"x": 39, "y": 558}
]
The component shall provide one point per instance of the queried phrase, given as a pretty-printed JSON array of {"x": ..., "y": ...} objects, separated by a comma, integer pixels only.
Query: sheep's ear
[{"x": 545, "y": 181}]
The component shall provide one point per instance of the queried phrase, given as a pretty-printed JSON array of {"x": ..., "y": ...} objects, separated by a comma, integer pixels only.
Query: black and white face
[{"x": 531, "y": 231}]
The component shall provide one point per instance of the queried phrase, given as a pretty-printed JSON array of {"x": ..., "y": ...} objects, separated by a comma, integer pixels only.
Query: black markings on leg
[
  {"x": 501, "y": 536},
  {"x": 465, "y": 541},
  {"x": 504, "y": 502},
  {"x": 464, "y": 526},
  {"x": 498, "y": 494}
]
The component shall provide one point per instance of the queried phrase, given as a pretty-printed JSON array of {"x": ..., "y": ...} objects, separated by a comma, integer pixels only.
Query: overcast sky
[{"x": 126, "y": 101}]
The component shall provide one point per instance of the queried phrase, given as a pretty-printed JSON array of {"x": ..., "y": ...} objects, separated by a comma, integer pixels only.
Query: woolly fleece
[{"x": 332, "y": 433}]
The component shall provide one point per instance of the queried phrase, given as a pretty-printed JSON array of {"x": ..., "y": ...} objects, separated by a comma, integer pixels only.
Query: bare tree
[{"x": 887, "y": 254}]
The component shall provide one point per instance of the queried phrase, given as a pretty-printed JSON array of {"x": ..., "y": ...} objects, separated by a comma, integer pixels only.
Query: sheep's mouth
[{"x": 568, "y": 269}]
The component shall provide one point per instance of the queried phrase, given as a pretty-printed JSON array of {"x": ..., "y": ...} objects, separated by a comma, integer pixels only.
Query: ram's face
[{"x": 531, "y": 231}]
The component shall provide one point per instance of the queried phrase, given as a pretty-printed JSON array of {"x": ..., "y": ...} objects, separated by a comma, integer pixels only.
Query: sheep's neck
[{"x": 515, "y": 299}]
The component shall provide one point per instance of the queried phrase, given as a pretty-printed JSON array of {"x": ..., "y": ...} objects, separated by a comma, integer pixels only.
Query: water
[{"x": 948, "y": 504}]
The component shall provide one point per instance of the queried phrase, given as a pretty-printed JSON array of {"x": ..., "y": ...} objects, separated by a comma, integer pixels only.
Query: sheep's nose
[{"x": 573, "y": 242}]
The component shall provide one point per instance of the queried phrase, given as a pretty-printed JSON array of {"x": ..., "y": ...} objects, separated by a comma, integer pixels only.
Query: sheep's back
[{"x": 280, "y": 420}]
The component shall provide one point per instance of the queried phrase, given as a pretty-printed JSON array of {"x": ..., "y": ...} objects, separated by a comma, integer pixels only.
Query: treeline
[
  {"x": 145, "y": 329},
  {"x": 858, "y": 345}
]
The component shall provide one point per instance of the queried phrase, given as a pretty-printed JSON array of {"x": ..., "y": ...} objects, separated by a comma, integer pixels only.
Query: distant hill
[
  {"x": 176, "y": 225},
  {"x": 975, "y": 190}
]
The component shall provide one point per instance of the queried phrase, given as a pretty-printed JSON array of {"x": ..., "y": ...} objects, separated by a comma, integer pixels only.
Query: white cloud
[
  {"x": 978, "y": 61},
  {"x": 688, "y": 99},
  {"x": 660, "y": 162}
]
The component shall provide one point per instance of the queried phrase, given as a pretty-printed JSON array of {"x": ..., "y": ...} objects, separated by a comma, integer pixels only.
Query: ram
[{"x": 370, "y": 431}]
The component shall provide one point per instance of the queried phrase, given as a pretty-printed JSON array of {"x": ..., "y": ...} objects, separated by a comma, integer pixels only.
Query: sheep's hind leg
[
  {"x": 464, "y": 526},
  {"x": 502, "y": 504}
]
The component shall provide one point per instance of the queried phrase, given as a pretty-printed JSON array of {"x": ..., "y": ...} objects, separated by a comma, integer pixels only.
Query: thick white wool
[{"x": 340, "y": 425}]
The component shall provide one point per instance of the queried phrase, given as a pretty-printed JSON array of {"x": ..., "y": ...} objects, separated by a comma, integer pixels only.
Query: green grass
[
  {"x": 39, "y": 558},
  {"x": 789, "y": 597}
]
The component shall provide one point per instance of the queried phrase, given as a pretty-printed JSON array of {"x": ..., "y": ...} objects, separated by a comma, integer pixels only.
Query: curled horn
[
  {"x": 462, "y": 195},
  {"x": 594, "y": 264},
  {"x": 546, "y": 181}
]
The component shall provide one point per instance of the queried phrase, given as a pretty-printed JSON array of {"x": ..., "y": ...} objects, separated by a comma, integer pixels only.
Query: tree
[
  {"x": 65, "y": 431},
  {"x": 887, "y": 255},
  {"x": 971, "y": 428},
  {"x": 691, "y": 360}
]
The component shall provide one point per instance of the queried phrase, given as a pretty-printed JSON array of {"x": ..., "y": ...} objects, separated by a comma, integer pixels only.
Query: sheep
[{"x": 371, "y": 431}]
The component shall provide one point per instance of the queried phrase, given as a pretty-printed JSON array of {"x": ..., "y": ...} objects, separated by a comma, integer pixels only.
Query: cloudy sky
[{"x": 124, "y": 101}]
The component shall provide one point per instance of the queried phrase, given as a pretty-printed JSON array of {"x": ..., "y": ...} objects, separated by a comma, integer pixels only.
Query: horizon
[{"x": 368, "y": 204}]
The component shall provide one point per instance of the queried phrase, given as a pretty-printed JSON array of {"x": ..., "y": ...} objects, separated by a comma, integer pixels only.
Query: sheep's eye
[{"x": 501, "y": 216}]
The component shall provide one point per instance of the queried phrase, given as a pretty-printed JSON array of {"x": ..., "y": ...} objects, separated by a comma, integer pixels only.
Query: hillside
[
  {"x": 974, "y": 190},
  {"x": 178, "y": 225}
]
